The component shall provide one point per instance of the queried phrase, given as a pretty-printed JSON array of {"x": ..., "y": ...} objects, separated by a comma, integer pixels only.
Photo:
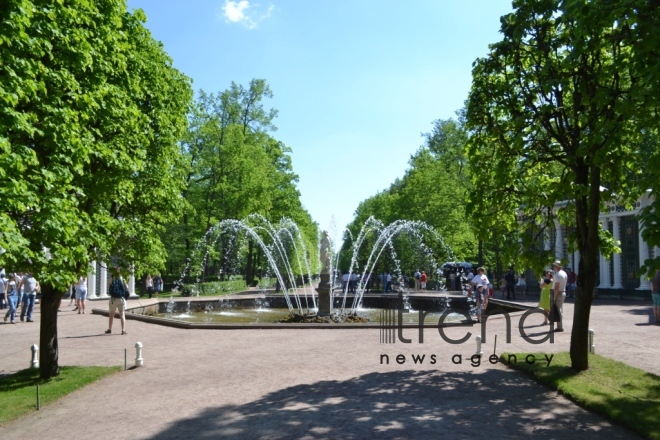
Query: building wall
[{"x": 618, "y": 272}]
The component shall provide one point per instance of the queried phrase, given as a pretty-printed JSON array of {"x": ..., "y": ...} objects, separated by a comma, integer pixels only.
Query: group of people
[
  {"x": 479, "y": 286},
  {"x": 512, "y": 285},
  {"x": 349, "y": 282},
  {"x": 420, "y": 280},
  {"x": 154, "y": 285},
  {"x": 553, "y": 293},
  {"x": 18, "y": 289},
  {"x": 554, "y": 285}
]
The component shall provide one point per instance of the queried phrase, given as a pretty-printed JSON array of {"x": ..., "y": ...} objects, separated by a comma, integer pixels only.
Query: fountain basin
[{"x": 270, "y": 307}]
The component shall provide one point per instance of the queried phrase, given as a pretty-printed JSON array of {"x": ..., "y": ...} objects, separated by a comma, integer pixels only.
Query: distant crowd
[{"x": 18, "y": 289}]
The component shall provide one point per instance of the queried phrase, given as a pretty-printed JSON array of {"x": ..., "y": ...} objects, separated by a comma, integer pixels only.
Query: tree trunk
[
  {"x": 48, "y": 350},
  {"x": 587, "y": 209},
  {"x": 584, "y": 295}
]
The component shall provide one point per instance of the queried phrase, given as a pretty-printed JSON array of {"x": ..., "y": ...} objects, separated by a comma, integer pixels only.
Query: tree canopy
[
  {"x": 91, "y": 111},
  {"x": 556, "y": 114},
  {"x": 433, "y": 190},
  {"x": 235, "y": 168}
]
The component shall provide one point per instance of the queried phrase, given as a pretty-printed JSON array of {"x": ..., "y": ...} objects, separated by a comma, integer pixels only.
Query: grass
[
  {"x": 624, "y": 394},
  {"x": 18, "y": 391}
]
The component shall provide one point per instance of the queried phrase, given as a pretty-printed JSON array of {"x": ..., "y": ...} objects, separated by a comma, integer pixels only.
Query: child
[{"x": 482, "y": 300}]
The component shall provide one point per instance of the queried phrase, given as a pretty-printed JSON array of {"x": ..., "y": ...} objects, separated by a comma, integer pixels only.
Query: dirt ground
[{"x": 305, "y": 384}]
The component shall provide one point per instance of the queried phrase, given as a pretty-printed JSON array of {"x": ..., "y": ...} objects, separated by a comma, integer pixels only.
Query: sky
[{"x": 356, "y": 83}]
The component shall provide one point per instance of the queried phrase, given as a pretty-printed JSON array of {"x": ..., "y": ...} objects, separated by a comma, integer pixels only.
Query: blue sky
[{"x": 355, "y": 82}]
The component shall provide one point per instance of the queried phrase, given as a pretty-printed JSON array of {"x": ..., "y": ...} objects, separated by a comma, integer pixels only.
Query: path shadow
[
  {"x": 642, "y": 311},
  {"x": 648, "y": 312},
  {"x": 402, "y": 404}
]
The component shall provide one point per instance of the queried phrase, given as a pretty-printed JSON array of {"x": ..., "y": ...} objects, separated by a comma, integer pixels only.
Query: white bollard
[
  {"x": 592, "y": 347},
  {"x": 138, "y": 354},
  {"x": 479, "y": 351},
  {"x": 35, "y": 356}
]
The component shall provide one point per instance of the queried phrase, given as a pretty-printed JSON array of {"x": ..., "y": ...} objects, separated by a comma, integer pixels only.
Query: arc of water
[
  {"x": 370, "y": 224},
  {"x": 274, "y": 234},
  {"x": 236, "y": 225},
  {"x": 279, "y": 246},
  {"x": 385, "y": 239},
  {"x": 287, "y": 225},
  {"x": 381, "y": 242}
]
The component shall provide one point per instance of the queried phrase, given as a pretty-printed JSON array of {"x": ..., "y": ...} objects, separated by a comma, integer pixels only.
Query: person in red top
[
  {"x": 423, "y": 279},
  {"x": 571, "y": 283}
]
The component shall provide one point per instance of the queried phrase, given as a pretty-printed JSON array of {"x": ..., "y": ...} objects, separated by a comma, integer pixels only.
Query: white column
[
  {"x": 644, "y": 283},
  {"x": 559, "y": 242},
  {"x": 576, "y": 261},
  {"x": 131, "y": 286},
  {"x": 91, "y": 281},
  {"x": 604, "y": 264},
  {"x": 616, "y": 232},
  {"x": 103, "y": 285}
]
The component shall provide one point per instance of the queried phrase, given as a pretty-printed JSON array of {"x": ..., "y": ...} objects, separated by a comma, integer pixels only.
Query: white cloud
[
  {"x": 234, "y": 10},
  {"x": 237, "y": 12}
]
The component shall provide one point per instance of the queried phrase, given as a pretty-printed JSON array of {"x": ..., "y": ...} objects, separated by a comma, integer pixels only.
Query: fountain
[{"x": 300, "y": 306}]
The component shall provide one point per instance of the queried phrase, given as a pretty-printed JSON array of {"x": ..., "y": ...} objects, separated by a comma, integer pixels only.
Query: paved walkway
[{"x": 314, "y": 383}]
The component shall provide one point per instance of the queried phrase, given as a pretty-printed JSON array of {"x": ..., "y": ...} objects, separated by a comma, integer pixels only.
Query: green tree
[
  {"x": 433, "y": 190},
  {"x": 90, "y": 113},
  {"x": 235, "y": 168},
  {"x": 554, "y": 112}
]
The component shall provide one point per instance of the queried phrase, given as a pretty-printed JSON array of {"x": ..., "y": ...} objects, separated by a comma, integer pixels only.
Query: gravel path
[{"x": 248, "y": 384}]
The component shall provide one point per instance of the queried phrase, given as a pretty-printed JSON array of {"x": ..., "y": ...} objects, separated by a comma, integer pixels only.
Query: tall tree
[
  {"x": 553, "y": 111},
  {"x": 235, "y": 168},
  {"x": 90, "y": 114}
]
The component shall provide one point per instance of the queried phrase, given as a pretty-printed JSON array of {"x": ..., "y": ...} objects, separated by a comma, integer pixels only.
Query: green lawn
[
  {"x": 624, "y": 394},
  {"x": 18, "y": 392}
]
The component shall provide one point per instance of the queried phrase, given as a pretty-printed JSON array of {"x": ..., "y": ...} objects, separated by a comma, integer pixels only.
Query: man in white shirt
[
  {"x": 352, "y": 282},
  {"x": 560, "y": 280},
  {"x": 344, "y": 282},
  {"x": 30, "y": 288},
  {"x": 480, "y": 279},
  {"x": 418, "y": 275}
]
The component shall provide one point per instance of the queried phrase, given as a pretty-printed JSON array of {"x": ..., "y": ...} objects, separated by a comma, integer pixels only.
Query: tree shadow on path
[{"x": 403, "y": 404}]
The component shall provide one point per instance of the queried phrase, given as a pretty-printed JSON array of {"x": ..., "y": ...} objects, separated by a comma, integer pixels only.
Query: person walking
[
  {"x": 560, "y": 293},
  {"x": 118, "y": 292},
  {"x": 352, "y": 282},
  {"x": 149, "y": 284},
  {"x": 521, "y": 286},
  {"x": 510, "y": 278},
  {"x": 571, "y": 285},
  {"x": 418, "y": 275},
  {"x": 30, "y": 288},
  {"x": 482, "y": 300},
  {"x": 544, "y": 301},
  {"x": 73, "y": 299},
  {"x": 3, "y": 289},
  {"x": 11, "y": 297},
  {"x": 158, "y": 284},
  {"x": 81, "y": 294},
  {"x": 655, "y": 294},
  {"x": 422, "y": 280},
  {"x": 20, "y": 292}
]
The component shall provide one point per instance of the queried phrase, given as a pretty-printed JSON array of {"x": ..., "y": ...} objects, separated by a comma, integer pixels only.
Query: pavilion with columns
[
  {"x": 98, "y": 280},
  {"x": 618, "y": 274}
]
